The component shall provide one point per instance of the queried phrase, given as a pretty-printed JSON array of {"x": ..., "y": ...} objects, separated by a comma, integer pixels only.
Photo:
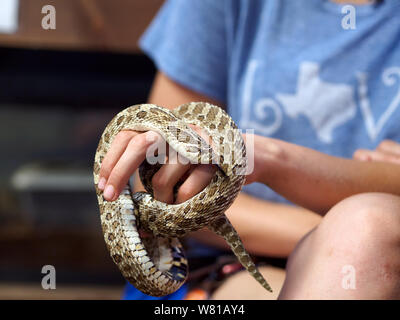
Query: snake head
[{"x": 138, "y": 197}]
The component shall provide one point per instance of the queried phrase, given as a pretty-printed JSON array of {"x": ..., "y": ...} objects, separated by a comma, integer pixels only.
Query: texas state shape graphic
[{"x": 326, "y": 105}]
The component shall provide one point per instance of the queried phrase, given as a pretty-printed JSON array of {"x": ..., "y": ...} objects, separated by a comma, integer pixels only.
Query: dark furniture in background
[{"x": 58, "y": 90}]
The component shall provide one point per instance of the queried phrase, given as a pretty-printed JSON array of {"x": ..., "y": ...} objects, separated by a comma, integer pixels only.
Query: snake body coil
[{"x": 156, "y": 265}]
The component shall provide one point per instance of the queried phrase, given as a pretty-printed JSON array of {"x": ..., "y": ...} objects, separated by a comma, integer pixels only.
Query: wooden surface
[
  {"x": 17, "y": 291},
  {"x": 34, "y": 247},
  {"x": 84, "y": 269},
  {"x": 79, "y": 256},
  {"x": 83, "y": 24}
]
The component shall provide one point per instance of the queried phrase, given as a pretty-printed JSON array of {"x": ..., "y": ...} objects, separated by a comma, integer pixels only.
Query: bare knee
[
  {"x": 361, "y": 220},
  {"x": 361, "y": 233}
]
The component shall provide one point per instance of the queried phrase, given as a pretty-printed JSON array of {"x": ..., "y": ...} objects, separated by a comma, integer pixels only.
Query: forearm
[
  {"x": 318, "y": 181},
  {"x": 267, "y": 228},
  {"x": 270, "y": 229}
]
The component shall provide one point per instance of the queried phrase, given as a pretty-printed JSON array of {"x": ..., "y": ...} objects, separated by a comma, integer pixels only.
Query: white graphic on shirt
[
  {"x": 261, "y": 107},
  {"x": 326, "y": 105},
  {"x": 261, "y": 111},
  {"x": 375, "y": 127}
]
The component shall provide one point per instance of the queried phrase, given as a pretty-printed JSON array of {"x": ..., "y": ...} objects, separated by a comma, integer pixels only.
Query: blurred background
[{"x": 58, "y": 90}]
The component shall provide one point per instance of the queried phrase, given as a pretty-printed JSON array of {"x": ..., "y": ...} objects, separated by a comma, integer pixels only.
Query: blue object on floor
[{"x": 131, "y": 293}]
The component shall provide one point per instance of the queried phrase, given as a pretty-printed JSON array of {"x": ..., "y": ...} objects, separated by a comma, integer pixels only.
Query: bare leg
[
  {"x": 353, "y": 254},
  {"x": 241, "y": 286}
]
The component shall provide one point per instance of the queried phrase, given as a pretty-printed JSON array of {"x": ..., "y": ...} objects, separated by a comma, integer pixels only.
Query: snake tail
[{"x": 224, "y": 228}]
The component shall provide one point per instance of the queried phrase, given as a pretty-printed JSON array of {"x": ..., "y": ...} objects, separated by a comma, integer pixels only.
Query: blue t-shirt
[{"x": 288, "y": 69}]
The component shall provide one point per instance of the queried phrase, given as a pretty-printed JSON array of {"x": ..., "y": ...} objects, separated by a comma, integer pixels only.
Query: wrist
[{"x": 265, "y": 156}]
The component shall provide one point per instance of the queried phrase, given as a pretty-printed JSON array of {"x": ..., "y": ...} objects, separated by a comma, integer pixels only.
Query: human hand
[
  {"x": 128, "y": 151},
  {"x": 387, "y": 151}
]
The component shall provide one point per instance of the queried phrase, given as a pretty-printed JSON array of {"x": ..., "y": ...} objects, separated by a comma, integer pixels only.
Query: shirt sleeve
[{"x": 187, "y": 41}]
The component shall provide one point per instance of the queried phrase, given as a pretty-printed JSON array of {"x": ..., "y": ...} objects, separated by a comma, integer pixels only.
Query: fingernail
[
  {"x": 102, "y": 183},
  {"x": 151, "y": 136},
  {"x": 109, "y": 192}
]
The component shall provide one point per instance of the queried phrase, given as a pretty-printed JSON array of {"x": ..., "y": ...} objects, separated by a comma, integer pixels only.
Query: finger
[
  {"x": 116, "y": 150},
  {"x": 165, "y": 179},
  {"x": 201, "y": 133},
  {"x": 389, "y": 146},
  {"x": 197, "y": 181},
  {"x": 361, "y": 155},
  {"x": 378, "y": 156},
  {"x": 129, "y": 161}
]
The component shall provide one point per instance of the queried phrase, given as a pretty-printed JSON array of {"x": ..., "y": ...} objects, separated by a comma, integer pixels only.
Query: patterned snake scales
[{"x": 156, "y": 264}]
